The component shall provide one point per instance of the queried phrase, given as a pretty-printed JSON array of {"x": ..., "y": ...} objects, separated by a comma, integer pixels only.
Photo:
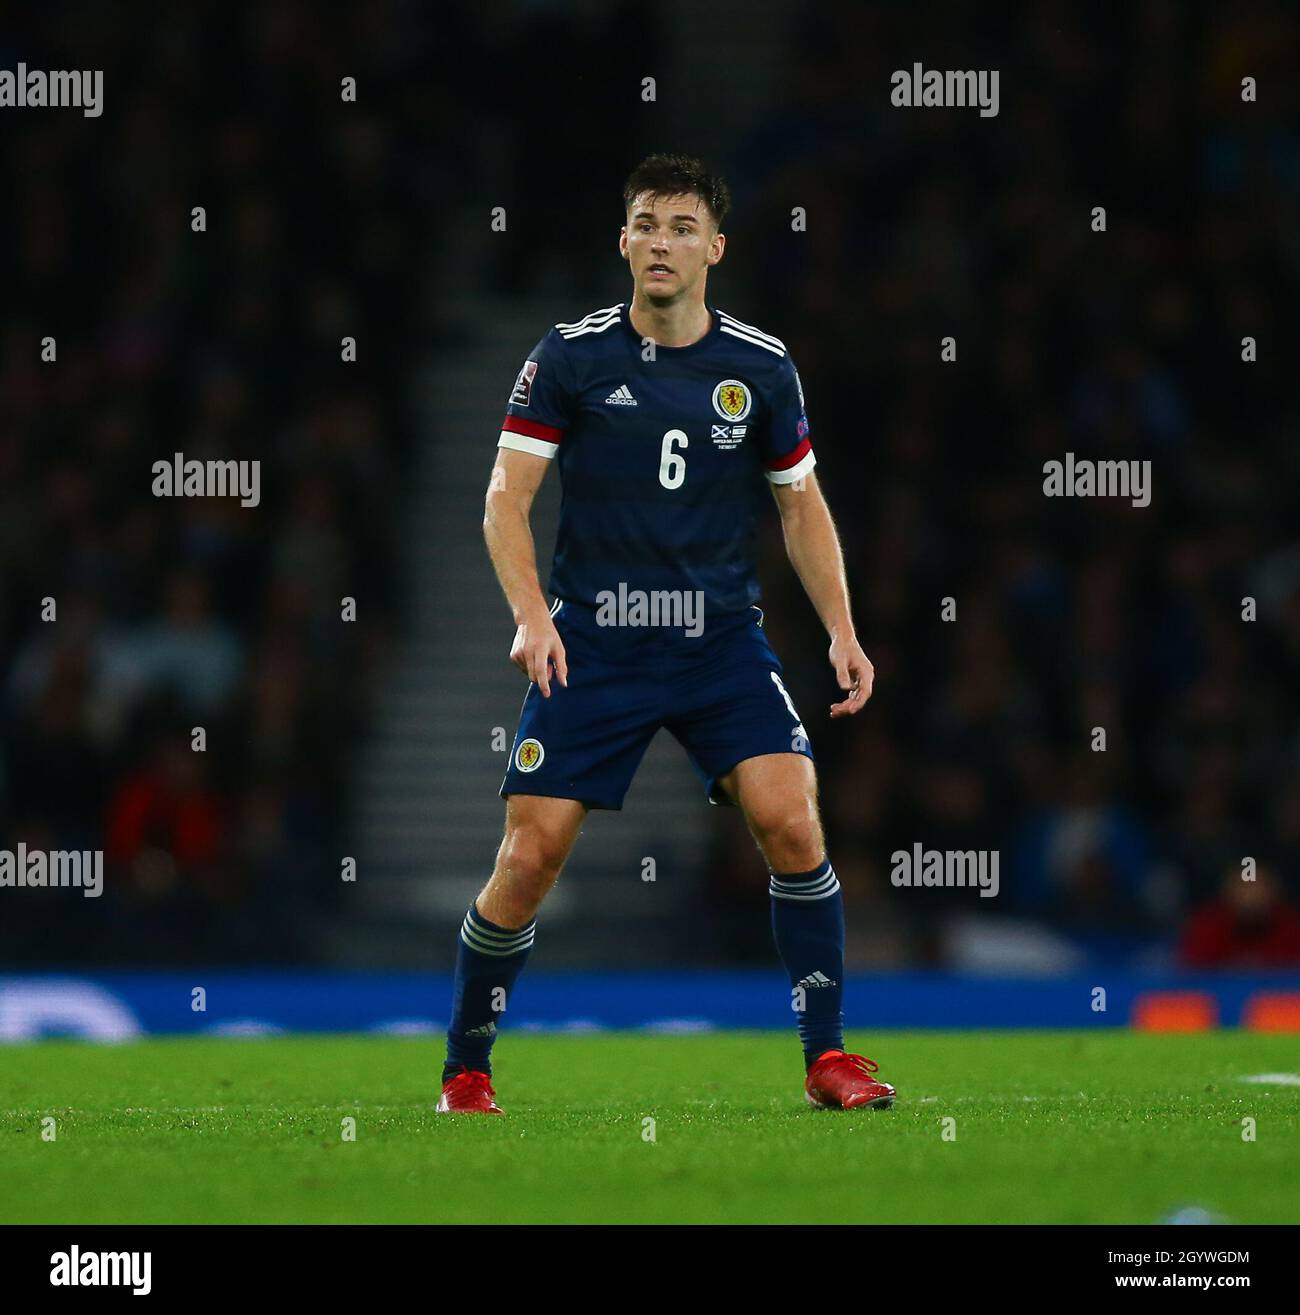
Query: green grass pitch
[{"x": 1105, "y": 1126}]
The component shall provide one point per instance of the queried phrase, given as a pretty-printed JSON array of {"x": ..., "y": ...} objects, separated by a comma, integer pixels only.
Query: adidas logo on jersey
[
  {"x": 817, "y": 979},
  {"x": 621, "y": 396}
]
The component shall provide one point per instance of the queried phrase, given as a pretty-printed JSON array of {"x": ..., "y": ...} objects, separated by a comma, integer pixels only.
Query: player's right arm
[
  {"x": 516, "y": 478},
  {"x": 537, "y": 416}
]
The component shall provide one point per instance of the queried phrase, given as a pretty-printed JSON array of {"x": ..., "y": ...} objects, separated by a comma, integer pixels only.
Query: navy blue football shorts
[{"x": 719, "y": 693}]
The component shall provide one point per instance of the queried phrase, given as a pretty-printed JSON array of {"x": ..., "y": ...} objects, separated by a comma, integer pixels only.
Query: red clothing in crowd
[{"x": 1216, "y": 937}]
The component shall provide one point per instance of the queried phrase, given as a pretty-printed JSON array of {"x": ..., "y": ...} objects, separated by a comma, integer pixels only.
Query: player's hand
[
  {"x": 854, "y": 673},
  {"x": 536, "y": 650}
]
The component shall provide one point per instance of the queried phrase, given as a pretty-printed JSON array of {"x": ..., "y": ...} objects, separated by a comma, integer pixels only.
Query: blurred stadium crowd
[
  {"x": 183, "y": 612},
  {"x": 1071, "y": 613}
]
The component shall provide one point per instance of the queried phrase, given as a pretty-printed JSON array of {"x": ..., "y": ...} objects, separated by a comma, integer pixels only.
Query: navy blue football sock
[
  {"x": 808, "y": 925},
  {"x": 488, "y": 960}
]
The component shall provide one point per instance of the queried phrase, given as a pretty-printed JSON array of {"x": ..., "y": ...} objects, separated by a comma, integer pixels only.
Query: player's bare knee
[
  {"x": 791, "y": 839},
  {"x": 531, "y": 858}
]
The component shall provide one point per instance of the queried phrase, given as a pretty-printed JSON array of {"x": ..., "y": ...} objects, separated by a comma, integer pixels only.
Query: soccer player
[{"x": 665, "y": 416}]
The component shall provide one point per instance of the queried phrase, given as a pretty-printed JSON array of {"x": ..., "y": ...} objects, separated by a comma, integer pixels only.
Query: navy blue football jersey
[{"x": 662, "y": 460}]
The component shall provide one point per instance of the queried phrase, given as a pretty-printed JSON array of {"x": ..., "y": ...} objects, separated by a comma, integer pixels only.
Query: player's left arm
[{"x": 813, "y": 546}]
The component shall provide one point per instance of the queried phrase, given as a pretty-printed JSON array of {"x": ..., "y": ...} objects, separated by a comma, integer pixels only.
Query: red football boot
[
  {"x": 842, "y": 1081},
  {"x": 468, "y": 1092}
]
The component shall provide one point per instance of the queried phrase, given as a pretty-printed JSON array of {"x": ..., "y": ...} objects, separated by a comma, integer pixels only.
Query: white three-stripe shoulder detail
[
  {"x": 596, "y": 314},
  {"x": 596, "y": 322},
  {"x": 757, "y": 342},
  {"x": 751, "y": 331}
]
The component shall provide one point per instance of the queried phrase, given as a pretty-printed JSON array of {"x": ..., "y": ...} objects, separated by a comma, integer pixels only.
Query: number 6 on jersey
[{"x": 672, "y": 465}]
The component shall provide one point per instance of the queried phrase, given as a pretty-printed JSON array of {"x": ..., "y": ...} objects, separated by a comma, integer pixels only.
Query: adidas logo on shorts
[{"x": 621, "y": 396}]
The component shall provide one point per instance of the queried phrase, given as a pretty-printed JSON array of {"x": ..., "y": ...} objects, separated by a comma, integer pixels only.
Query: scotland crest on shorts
[{"x": 529, "y": 755}]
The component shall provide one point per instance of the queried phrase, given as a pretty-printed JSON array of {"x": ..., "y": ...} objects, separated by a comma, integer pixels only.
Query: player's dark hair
[{"x": 676, "y": 175}]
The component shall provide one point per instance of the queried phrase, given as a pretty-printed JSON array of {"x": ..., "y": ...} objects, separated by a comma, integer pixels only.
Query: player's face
[{"x": 670, "y": 242}]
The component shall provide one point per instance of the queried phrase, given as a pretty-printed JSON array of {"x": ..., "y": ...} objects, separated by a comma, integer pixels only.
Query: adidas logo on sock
[
  {"x": 817, "y": 979},
  {"x": 488, "y": 1029},
  {"x": 621, "y": 396}
]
